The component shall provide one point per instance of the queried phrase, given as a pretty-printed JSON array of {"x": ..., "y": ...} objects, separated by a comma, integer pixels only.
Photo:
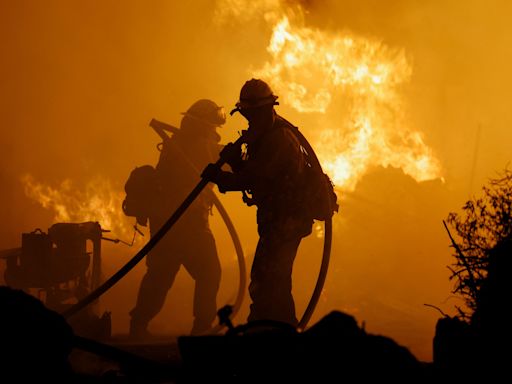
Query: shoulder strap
[
  {"x": 304, "y": 144},
  {"x": 315, "y": 164}
]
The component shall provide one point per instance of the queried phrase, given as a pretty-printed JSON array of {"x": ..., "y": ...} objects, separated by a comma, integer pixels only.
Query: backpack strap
[{"x": 315, "y": 164}]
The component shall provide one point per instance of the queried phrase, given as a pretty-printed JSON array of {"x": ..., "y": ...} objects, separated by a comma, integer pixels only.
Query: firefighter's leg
[
  {"x": 162, "y": 267},
  {"x": 203, "y": 265},
  {"x": 271, "y": 279}
]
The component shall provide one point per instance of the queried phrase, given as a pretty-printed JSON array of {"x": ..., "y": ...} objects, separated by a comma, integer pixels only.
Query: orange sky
[{"x": 81, "y": 80}]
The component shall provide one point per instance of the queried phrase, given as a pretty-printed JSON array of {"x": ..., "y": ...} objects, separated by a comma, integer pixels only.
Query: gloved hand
[
  {"x": 231, "y": 152},
  {"x": 211, "y": 173}
]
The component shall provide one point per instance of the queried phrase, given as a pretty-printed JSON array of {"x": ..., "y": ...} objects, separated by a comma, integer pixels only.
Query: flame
[
  {"x": 244, "y": 11},
  {"x": 328, "y": 73},
  {"x": 98, "y": 201}
]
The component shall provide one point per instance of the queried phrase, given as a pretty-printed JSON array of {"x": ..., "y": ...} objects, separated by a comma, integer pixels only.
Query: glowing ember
[{"x": 99, "y": 201}]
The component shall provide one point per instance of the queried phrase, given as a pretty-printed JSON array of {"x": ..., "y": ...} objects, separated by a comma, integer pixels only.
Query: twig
[
  {"x": 439, "y": 309},
  {"x": 472, "y": 282}
]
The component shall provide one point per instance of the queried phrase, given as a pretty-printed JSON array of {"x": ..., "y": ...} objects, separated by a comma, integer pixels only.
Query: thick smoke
[{"x": 81, "y": 81}]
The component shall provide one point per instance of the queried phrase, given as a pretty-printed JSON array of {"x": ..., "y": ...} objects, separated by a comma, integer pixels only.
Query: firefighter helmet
[
  {"x": 255, "y": 93},
  {"x": 207, "y": 112}
]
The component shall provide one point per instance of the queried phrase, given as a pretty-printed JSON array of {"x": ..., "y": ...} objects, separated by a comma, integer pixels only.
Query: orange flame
[
  {"x": 326, "y": 73},
  {"x": 99, "y": 201},
  {"x": 242, "y": 11}
]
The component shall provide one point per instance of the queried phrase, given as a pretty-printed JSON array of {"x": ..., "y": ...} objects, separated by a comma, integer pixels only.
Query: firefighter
[
  {"x": 269, "y": 173},
  {"x": 190, "y": 243}
]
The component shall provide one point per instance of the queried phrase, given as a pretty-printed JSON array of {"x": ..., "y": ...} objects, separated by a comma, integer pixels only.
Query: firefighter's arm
[
  {"x": 226, "y": 181},
  {"x": 232, "y": 154}
]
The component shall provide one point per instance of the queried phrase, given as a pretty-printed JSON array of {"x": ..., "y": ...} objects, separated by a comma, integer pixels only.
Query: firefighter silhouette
[
  {"x": 268, "y": 173},
  {"x": 190, "y": 243}
]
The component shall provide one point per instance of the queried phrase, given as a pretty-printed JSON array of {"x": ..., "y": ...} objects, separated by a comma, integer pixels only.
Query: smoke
[{"x": 81, "y": 81}]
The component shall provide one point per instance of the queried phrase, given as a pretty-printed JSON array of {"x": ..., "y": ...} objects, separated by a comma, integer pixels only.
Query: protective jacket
[{"x": 271, "y": 173}]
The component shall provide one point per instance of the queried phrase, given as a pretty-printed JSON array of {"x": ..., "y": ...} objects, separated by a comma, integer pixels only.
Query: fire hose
[
  {"x": 94, "y": 295},
  {"x": 91, "y": 297},
  {"x": 326, "y": 253}
]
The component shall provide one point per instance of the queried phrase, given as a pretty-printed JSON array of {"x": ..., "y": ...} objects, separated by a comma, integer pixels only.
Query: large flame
[
  {"x": 354, "y": 85},
  {"x": 97, "y": 201}
]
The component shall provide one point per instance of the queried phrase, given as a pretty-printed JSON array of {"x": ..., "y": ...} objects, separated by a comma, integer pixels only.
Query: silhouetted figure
[
  {"x": 35, "y": 342},
  {"x": 268, "y": 174},
  {"x": 190, "y": 242}
]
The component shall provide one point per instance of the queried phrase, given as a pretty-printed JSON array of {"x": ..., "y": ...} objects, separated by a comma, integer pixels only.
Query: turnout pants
[{"x": 197, "y": 252}]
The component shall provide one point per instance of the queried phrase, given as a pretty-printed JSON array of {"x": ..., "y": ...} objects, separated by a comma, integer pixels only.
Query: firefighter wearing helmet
[
  {"x": 190, "y": 243},
  {"x": 205, "y": 112},
  {"x": 268, "y": 174}
]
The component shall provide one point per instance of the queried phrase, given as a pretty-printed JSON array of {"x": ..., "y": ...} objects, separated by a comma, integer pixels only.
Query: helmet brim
[
  {"x": 248, "y": 104},
  {"x": 218, "y": 118}
]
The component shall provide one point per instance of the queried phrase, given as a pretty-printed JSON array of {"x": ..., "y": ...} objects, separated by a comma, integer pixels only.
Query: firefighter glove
[{"x": 231, "y": 152}]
